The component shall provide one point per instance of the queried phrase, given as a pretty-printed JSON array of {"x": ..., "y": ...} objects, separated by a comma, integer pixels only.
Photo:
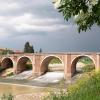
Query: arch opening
[
  {"x": 6, "y": 67},
  {"x": 82, "y": 64},
  {"x": 52, "y": 70},
  {"x": 24, "y": 64},
  {"x": 52, "y": 64}
]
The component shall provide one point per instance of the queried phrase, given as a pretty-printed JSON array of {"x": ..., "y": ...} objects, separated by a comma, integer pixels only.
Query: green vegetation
[
  {"x": 10, "y": 74},
  {"x": 6, "y": 51},
  {"x": 55, "y": 61},
  {"x": 85, "y": 12},
  {"x": 1, "y": 68},
  {"x": 28, "y": 48},
  {"x": 86, "y": 60},
  {"x": 29, "y": 66},
  {"x": 88, "y": 64},
  {"x": 86, "y": 88},
  {"x": 88, "y": 68},
  {"x": 7, "y": 97}
]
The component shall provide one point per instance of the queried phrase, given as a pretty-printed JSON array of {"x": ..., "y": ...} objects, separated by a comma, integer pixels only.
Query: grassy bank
[{"x": 87, "y": 88}]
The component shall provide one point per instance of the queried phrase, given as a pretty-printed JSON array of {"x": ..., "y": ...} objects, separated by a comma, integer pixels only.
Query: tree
[
  {"x": 28, "y": 48},
  {"x": 7, "y": 51},
  {"x": 31, "y": 49},
  {"x": 85, "y": 12},
  {"x": 40, "y": 50}
]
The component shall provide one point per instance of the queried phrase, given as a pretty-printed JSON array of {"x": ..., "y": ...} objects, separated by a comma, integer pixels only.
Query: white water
[
  {"x": 23, "y": 75},
  {"x": 50, "y": 77}
]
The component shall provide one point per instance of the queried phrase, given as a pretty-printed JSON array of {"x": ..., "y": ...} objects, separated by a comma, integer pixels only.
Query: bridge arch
[
  {"x": 45, "y": 62},
  {"x": 7, "y": 62},
  {"x": 75, "y": 61},
  {"x": 22, "y": 64}
]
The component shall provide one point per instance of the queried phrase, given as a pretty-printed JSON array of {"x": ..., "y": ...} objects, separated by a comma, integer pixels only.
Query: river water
[
  {"x": 7, "y": 87},
  {"x": 17, "y": 89}
]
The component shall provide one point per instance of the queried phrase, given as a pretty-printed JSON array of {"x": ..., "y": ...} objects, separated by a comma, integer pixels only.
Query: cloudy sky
[{"x": 38, "y": 22}]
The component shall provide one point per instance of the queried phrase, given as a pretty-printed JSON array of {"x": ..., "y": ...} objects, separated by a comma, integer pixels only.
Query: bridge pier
[
  {"x": 98, "y": 63},
  {"x": 15, "y": 68},
  {"x": 36, "y": 71},
  {"x": 67, "y": 66}
]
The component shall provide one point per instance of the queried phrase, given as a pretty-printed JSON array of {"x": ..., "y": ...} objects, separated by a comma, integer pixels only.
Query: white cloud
[
  {"x": 3, "y": 33},
  {"x": 8, "y": 6},
  {"x": 26, "y": 20},
  {"x": 40, "y": 28},
  {"x": 29, "y": 22},
  {"x": 29, "y": 18}
]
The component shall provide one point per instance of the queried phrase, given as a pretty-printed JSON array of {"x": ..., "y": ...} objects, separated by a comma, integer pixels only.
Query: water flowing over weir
[
  {"x": 55, "y": 75},
  {"x": 23, "y": 75},
  {"x": 50, "y": 77}
]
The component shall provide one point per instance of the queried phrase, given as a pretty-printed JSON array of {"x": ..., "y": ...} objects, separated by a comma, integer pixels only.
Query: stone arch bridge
[{"x": 40, "y": 61}]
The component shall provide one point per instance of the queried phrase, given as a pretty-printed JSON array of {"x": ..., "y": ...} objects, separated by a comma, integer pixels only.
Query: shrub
[
  {"x": 7, "y": 97},
  {"x": 87, "y": 68}
]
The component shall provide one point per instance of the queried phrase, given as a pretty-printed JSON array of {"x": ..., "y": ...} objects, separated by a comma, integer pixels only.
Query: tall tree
[
  {"x": 31, "y": 49},
  {"x": 85, "y": 12},
  {"x": 28, "y": 48}
]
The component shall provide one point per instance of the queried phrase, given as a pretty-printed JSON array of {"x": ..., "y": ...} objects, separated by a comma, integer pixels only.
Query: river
[{"x": 18, "y": 89}]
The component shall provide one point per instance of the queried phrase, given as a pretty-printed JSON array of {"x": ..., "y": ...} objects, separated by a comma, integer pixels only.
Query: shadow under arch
[
  {"x": 22, "y": 64},
  {"x": 6, "y": 63},
  {"x": 45, "y": 63},
  {"x": 76, "y": 60}
]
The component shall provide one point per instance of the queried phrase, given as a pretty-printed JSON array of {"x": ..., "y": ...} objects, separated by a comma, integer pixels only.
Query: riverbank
[
  {"x": 21, "y": 92},
  {"x": 30, "y": 89},
  {"x": 25, "y": 92},
  {"x": 86, "y": 88}
]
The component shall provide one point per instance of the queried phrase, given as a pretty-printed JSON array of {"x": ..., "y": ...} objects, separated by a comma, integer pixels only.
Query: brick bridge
[{"x": 40, "y": 61}]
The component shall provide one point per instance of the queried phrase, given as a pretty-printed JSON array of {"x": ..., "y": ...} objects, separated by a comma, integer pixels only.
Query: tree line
[{"x": 6, "y": 51}]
